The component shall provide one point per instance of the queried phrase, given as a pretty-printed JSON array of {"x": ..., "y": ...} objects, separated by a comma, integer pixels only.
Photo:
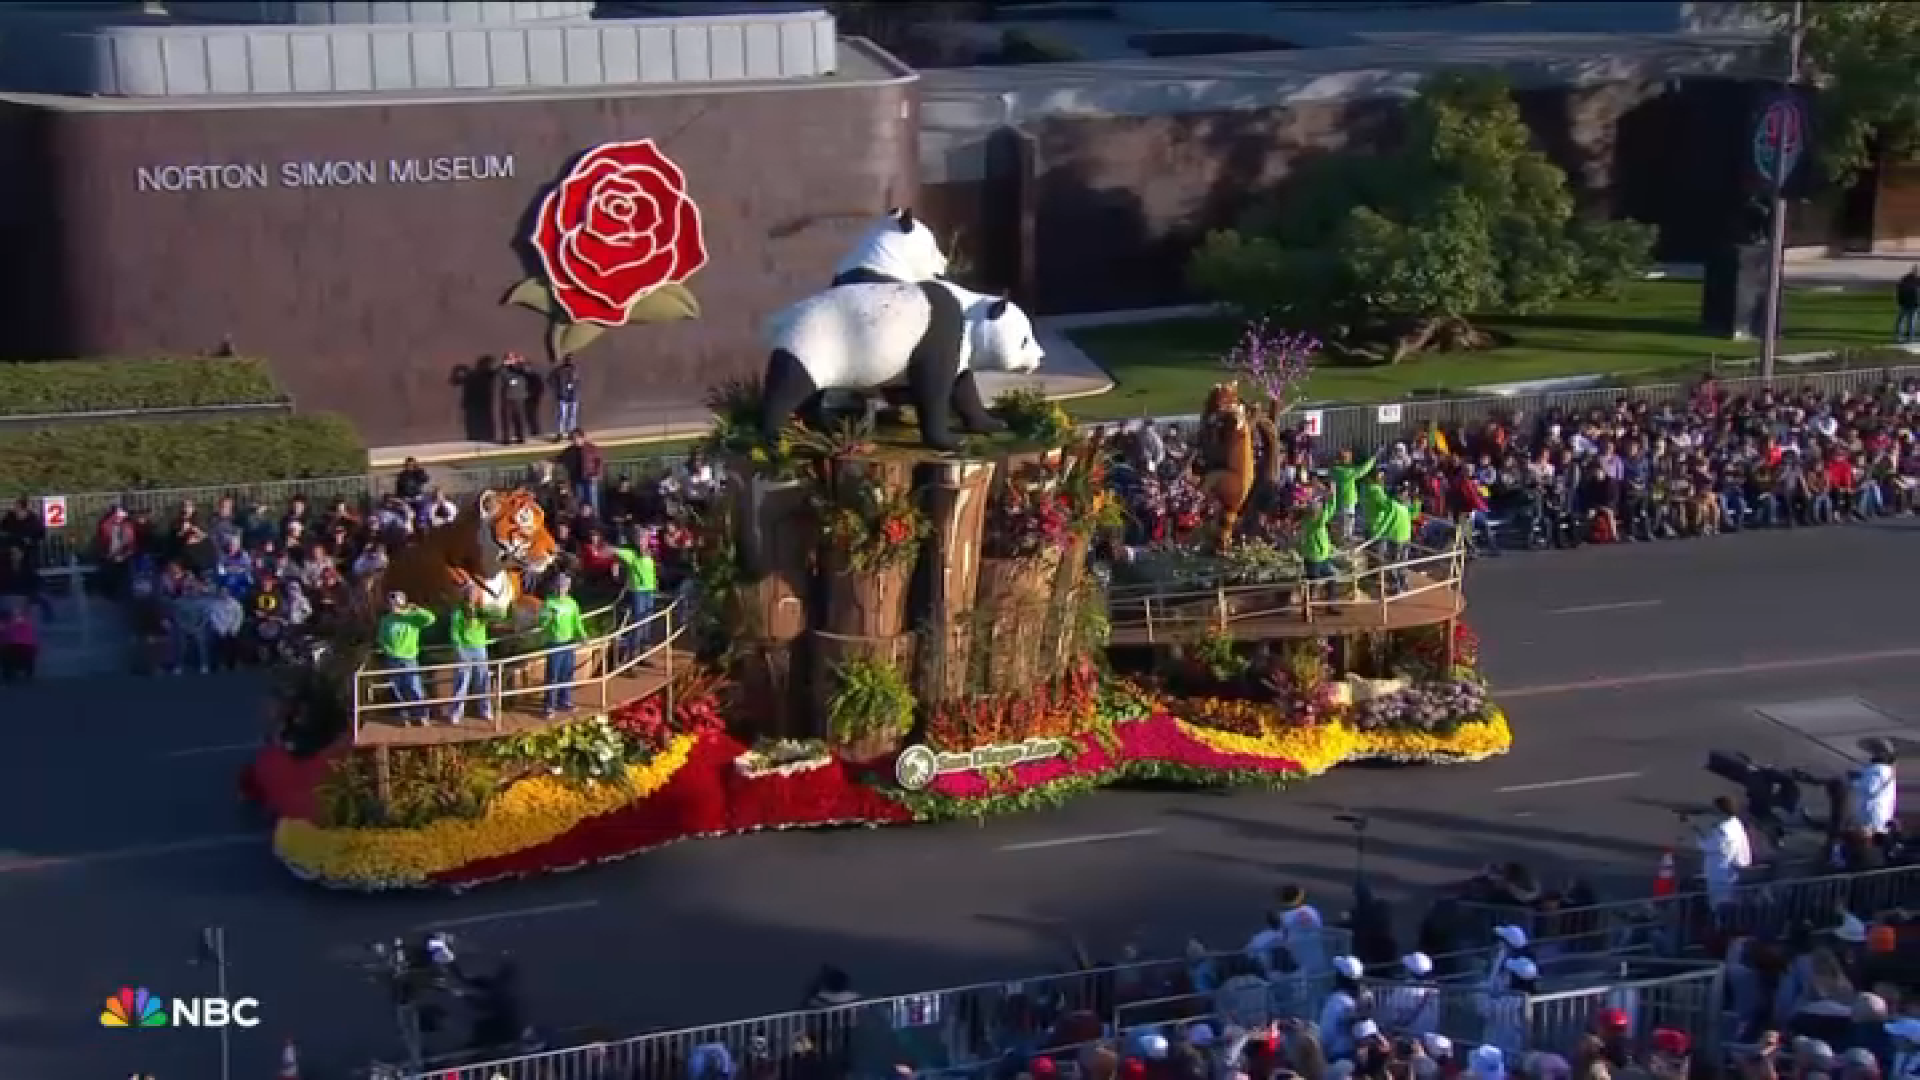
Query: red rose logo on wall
[{"x": 617, "y": 238}]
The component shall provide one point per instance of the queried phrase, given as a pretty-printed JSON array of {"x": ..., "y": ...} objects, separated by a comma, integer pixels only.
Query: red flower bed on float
[{"x": 708, "y": 796}]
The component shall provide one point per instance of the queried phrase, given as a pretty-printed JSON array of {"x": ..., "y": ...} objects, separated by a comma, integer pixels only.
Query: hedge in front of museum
[
  {"x": 185, "y": 453},
  {"x": 45, "y": 387}
]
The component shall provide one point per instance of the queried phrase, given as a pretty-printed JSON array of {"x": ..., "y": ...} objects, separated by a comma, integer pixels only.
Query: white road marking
[
  {"x": 197, "y": 751},
  {"x": 1577, "y": 781},
  {"x": 19, "y": 864},
  {"x": 503, "y": 916},
  {"x": 1595, "y": 609},
  {"x": 1069, "y": 841},
  {"x": 1766, "y": 667}
]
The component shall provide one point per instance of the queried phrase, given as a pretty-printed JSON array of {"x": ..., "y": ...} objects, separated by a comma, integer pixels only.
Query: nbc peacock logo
[{"x": 133, "y": 1007}]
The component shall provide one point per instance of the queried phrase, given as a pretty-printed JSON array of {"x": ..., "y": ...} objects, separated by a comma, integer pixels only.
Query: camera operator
[
  {"x": 1725, "y": 851},
  {"x": 1872, "y": 789}
]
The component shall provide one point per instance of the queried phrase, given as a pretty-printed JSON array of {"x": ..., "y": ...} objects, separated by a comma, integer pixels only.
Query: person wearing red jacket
[{"x": 1467, "y": 504}]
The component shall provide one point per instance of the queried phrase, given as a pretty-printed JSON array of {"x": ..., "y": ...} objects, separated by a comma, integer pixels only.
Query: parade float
[{"x": 880, "y": 633}]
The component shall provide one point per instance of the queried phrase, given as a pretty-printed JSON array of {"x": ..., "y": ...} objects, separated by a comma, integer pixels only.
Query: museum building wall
[{"x": 373, "y": 293}]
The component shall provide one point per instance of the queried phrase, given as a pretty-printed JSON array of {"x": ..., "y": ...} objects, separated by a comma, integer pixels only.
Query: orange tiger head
[{"x": 515, "y": 525}]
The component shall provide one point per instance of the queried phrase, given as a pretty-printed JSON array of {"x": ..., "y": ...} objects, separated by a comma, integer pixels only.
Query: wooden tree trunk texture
[
  {"x": 866, "y": 610},
  {"x": 957, "y": 494},
  {"x": 1063, "y": 626},
  {"x": 775, "y": 532},
  {"x": 1009, "y": 621},
  {"x": 775, "y": 535}
]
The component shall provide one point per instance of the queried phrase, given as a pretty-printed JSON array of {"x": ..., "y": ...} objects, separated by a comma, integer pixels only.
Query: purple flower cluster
[
  {"x": 1174, "y": 503},
  {"x": 1434, "y": 708},
  {"x": 1276, "y": 361}
]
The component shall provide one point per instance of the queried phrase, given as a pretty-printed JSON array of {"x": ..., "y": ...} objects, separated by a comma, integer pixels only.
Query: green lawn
[{"x": 1650, "y": 333}]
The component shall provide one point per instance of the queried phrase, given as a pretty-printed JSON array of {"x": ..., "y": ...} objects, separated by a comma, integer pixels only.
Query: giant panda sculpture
[
  {"x": 899, "y": 248},
  {"x": 928, "y": 338}
]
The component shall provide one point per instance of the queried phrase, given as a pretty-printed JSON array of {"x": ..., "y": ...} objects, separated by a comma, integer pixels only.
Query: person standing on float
[
  {"x": 563, "y": 628},
  {"x": 641, "y": 575},
  {"x": 398, "y": 637},
  {"x": 1345, "y": 476},
  {"x": 1315, "y": 546},
  {"x": 468, "y": 631}
]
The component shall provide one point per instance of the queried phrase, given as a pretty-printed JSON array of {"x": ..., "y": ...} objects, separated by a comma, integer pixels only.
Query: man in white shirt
[
  {"x": 1725, "y": 851},
  {"x": 1304, "y": 931},
  {"x": 1873, "y": 789},
  {"x": 1411, "y": 1005}
]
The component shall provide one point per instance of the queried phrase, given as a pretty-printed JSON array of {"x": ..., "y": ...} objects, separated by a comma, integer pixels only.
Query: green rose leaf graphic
[
  {"x": 668, "y": 303},
  {"x": 533, "y": 295},
  {"x": 567, "y": 338}
]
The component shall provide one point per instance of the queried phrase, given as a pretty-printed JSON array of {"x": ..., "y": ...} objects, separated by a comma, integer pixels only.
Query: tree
[
  {"x": 1863, "y": 55},
  {"x": 1390, "y": 253}
]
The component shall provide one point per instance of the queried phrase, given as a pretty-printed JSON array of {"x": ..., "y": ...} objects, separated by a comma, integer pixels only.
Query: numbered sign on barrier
[
  {"x": 1387, "y": 414},
  {"x": 53, "y": 511},
  {"x": 1310, "y": 422}
]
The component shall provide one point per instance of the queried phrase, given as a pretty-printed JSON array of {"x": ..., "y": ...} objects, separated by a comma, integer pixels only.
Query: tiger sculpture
[{"x": 499, "y": 544}]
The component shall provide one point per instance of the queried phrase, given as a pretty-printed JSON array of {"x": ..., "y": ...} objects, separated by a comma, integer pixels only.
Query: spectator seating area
[
  {"x": 208, "y": 588},
  {"x": 232, "y": 582},
  {"x": 1630, "y": 472}
]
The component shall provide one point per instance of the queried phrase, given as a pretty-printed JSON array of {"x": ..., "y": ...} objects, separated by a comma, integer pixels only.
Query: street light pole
[
  {"x": 1777, "y": 242},
  {"x": 213, "y": 950}
]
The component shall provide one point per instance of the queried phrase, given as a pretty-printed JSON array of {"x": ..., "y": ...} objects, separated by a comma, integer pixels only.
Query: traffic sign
[
  {"x": 1779, "y": 138},
  {"x": 1310, "y": 422},
  {"x": 53, "y": 511}
]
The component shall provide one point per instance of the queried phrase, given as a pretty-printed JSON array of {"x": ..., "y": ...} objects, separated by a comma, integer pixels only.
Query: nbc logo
[
  {"x": 138, "y": 1007},
  {"x": 133, "y": 1008}
]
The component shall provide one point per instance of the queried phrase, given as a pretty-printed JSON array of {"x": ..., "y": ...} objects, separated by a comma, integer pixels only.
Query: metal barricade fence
[
  {"x": 1686, "y": 920},
  {"x": 1554, "y": 1018},
  {"x": 954, "y": 1028},
  {"x": 1689, "y": 1001}
]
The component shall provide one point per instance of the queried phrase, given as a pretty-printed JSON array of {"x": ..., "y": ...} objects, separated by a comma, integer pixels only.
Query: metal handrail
[
  {"x": 1220, "y": 613},
  {"x": 368, "y": 677}
]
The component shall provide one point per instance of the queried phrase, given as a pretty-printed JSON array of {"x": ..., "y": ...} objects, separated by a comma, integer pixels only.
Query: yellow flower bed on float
[
  {"x": 530, "y": 812},
  {"x": 1321, "y": 747}
]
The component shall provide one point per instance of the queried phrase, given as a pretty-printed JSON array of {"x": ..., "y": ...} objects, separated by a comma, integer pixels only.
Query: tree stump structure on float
[{"x": 952, "y": 623}]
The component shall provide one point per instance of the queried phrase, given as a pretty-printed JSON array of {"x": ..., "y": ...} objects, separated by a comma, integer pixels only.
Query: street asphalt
[{"x": 121, "y": 833}]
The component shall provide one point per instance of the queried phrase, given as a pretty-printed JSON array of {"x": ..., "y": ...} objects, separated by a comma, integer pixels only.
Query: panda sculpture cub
[
  {"x": 897, "y": 248},
  {"x": 931, "y": 336}
]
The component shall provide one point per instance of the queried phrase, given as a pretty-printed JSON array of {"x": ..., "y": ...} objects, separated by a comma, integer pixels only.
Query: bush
[
  {"x": 186, "y": 453},
  {"x": 172, "y": 382}
]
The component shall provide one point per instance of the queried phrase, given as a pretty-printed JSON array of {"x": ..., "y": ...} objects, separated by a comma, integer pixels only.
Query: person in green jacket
[
  {"x": 1392, "y": 534},
  {"x": 560, "y": 624},
  {"x": 468, "y": 631},
  {"x": 1314, "y": 545},
  {"x": 1345, "y": 476},
  {"x": 398, "y": 639},
  {"x": 1374, "y": 500},
  {"x": 641, "y": 576}
]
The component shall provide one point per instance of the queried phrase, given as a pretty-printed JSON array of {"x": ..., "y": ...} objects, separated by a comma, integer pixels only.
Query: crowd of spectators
[
  {"x": 1629, "y": 472},
  {"x": 236, "y": 583},
  {"x": 1835, "y": 1001}
]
